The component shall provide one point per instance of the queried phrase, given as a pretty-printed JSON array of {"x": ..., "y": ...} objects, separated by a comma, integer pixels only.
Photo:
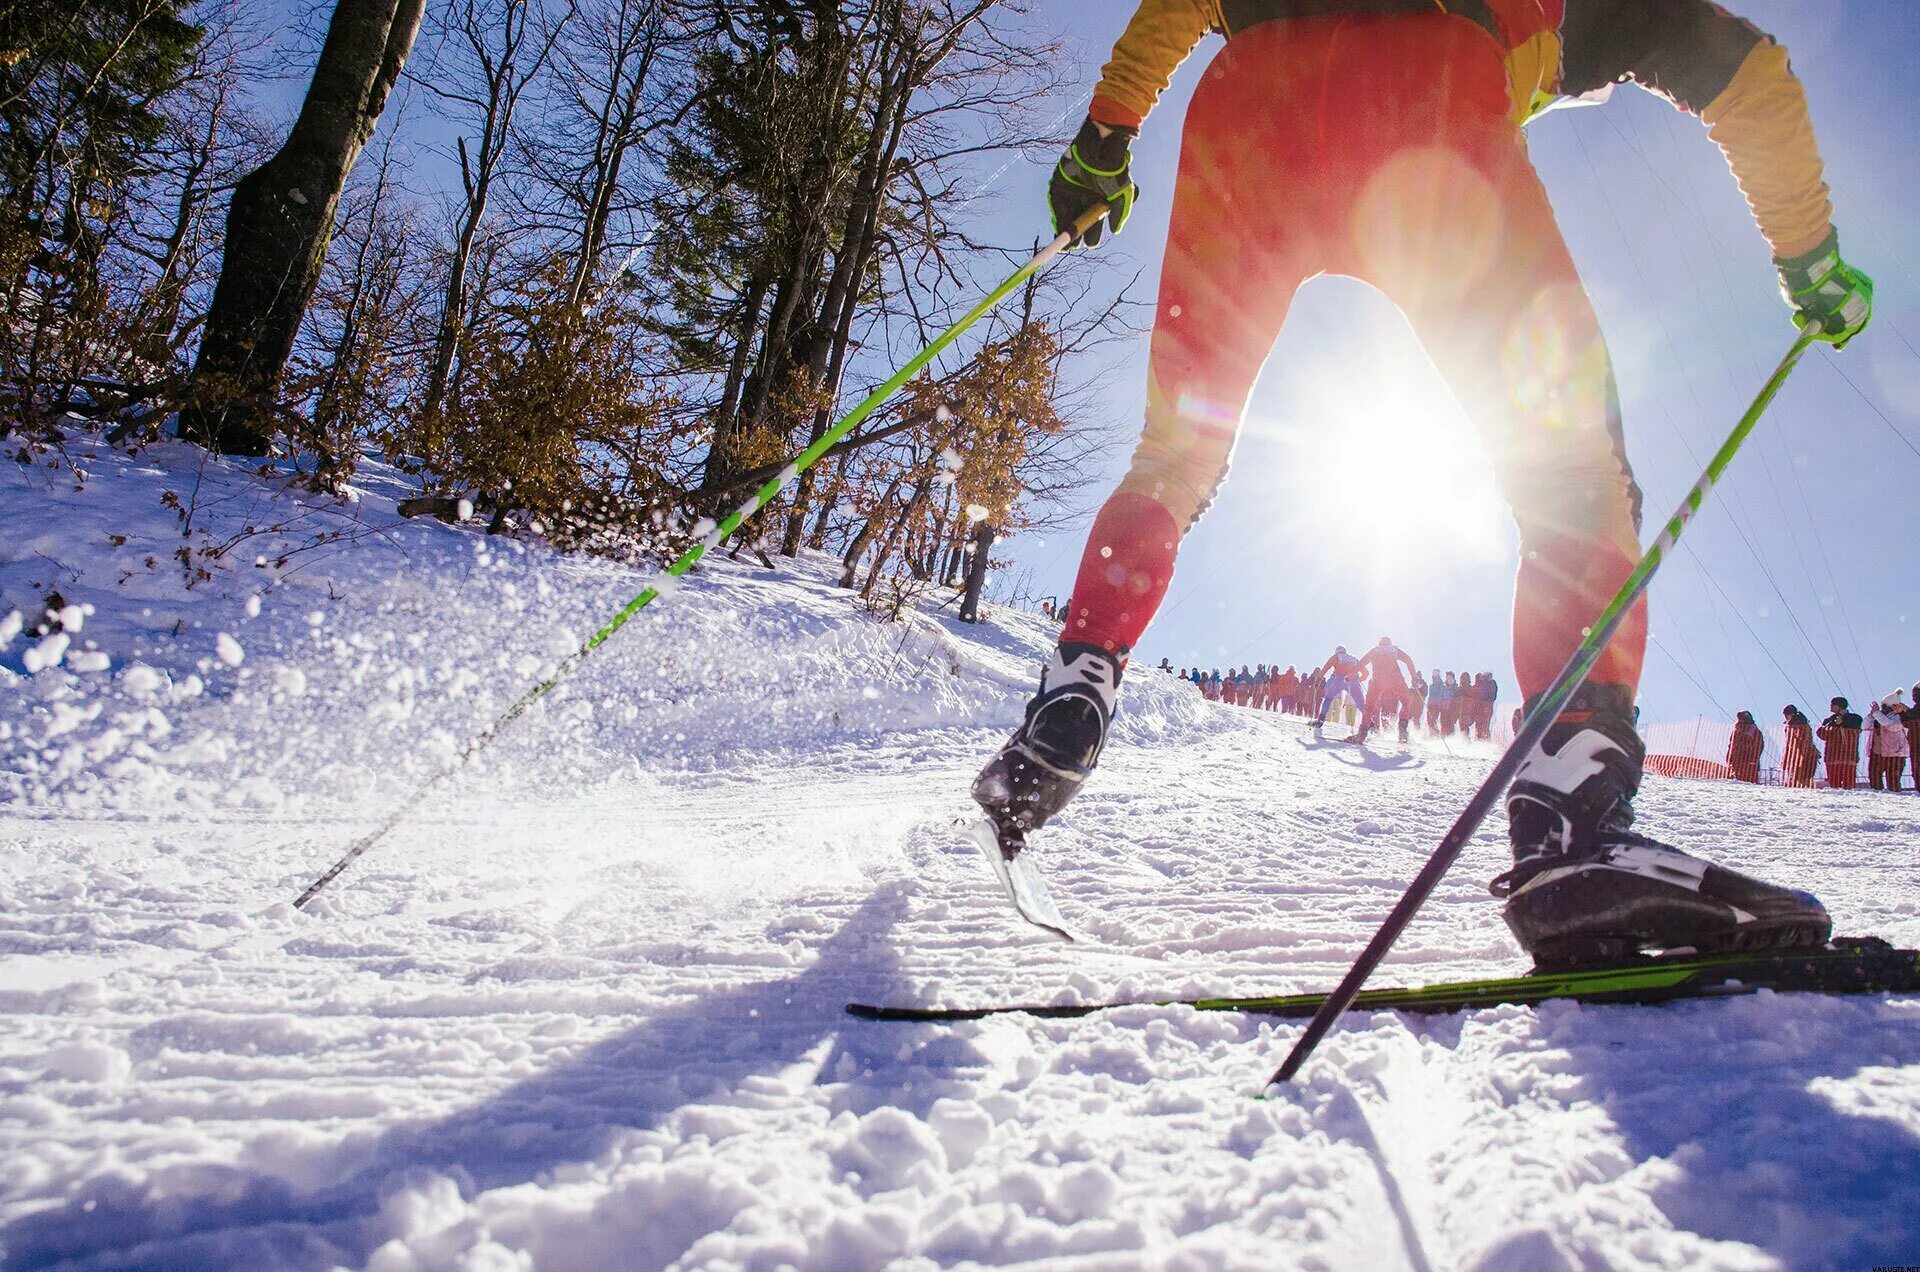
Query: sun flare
[{"x": 1379, "y": 465}]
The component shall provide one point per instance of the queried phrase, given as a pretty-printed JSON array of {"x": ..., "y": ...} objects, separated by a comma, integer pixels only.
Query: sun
[{"x": 1378, "y": 463}]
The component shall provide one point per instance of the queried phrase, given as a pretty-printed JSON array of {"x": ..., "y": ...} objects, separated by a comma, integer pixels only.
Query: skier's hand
[
  {"x": 1829, "y": 297},
  {"x": 1095, "y": 169}
]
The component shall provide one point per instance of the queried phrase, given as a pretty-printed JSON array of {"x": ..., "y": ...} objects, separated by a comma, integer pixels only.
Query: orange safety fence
[{"x": 1686, "y": 766}]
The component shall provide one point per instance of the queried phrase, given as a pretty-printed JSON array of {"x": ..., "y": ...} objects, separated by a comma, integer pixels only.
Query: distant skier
[
  {"x": 1465, "y": 703},
  {"x": 1448, "y": 697},
  {"x": 1343, "y": 675},
  {"x": 1489, "y": 699},
  {"x": 1381, "y": 139},
  {"x": 1386, "y": 688}
]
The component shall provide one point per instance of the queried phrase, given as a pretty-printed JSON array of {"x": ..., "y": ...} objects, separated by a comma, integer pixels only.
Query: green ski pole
[
  {"x": 1545, "y": 711},
  {"x": 715, "y": 537}
]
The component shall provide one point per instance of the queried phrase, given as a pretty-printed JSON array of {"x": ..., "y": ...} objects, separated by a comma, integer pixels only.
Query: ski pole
[
  {"x": 1545, "y": 711},
  {"x": 718, "y": 535}
]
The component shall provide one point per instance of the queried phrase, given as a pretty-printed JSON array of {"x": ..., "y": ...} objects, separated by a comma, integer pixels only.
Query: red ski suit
[{"x": 1387, "y": 148}]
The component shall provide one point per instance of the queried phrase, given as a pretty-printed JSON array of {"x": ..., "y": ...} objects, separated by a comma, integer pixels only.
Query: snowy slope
[{"x": 583, "y": 1008}]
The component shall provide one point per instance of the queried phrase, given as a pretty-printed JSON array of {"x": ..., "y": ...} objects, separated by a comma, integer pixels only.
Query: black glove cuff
[
  {"x": 1106, "y": 154},
  {"x": 1812, "y": 266}
]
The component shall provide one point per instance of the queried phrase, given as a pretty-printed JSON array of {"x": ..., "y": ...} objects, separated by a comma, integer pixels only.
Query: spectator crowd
[
  {"x": 1890, "y": 731},
  {"x": 1445, "y": 704}
]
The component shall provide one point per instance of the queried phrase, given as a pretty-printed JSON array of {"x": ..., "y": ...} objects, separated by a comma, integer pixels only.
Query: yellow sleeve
[
  {"x": 1760, "y": 122},
  {"x": 1156, "y": 41}
]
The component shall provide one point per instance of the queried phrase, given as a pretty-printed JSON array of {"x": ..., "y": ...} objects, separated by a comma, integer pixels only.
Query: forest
[{"x": 584, "y": 269}]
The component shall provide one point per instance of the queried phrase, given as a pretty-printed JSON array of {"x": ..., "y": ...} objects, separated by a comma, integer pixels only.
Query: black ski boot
[
  {"x": 1043, "y": 764},
  {"x": 1586, "y": 891}
]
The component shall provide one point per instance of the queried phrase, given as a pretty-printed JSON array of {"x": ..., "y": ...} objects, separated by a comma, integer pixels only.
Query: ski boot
[
  {"x": 1043, "y": 764},
  {"x": 1586, "y": 891}
]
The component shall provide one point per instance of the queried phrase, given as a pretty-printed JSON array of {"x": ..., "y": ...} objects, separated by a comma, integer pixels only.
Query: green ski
[{"x": 1855, "y": 965}]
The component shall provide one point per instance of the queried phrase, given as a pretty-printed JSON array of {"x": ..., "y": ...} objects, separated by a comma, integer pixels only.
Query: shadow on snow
[
  {"x": 1745, "y": 1098},
  {"x": 575, "y": 1112}
]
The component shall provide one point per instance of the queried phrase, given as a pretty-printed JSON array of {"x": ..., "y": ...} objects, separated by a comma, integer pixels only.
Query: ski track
[{"x": 583, "y": 1009}]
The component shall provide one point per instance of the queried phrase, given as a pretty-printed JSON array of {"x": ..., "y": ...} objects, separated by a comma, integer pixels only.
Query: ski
[
  {"x": 1853, "y": 965},
  {"x": 1013, "y": 866}
]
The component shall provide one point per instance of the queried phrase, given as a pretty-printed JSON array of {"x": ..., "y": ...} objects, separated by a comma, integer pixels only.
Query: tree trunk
[
  {"x": 280, "y": 221},
  {"x": 894, "y": 533},
  {"x": 976, "y": 574}
]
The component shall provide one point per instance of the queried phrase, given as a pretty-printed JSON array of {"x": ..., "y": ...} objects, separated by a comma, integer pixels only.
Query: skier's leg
[
  {"x": 1329, "y": 699},
  {"x": 1484, "y": 275},
  {"x": 1234, "y": 257}
]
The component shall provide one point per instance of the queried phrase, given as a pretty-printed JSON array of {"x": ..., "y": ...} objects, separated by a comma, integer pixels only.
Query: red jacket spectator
[
  {"x": 1840, "y": 737},
  {"x": 1913, "y": 733},
  {"x": 1744, "y": 749},
  {"x": 1796, "y": 767}
]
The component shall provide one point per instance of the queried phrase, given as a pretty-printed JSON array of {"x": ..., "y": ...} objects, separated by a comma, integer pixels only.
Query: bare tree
[
  {"x": 354, "y": 369},
  {"x": 504, "y": 44},
  {"x": 609, "y": 100}
]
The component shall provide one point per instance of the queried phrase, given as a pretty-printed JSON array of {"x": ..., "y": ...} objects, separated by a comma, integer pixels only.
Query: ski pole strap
[
  {"x": 718, "y": 534},
  {"x": 1546, "y": 709}
]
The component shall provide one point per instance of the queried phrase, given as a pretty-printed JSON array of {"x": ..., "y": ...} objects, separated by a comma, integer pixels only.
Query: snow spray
[{"x": 717, "y": 535}]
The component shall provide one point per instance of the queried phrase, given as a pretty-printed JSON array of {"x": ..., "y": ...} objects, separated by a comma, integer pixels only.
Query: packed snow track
[{"x": 584, "y": 1008}]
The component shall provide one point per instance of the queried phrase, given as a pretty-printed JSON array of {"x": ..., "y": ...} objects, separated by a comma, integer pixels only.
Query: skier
[
  {"x": 1437, "y": 690},
  {"x": 1380, "y": 139},
  {"x": 1489, "y": 696},
  {"x": 1343, "y": 673},
  {"x": 1386, "y": 687}
]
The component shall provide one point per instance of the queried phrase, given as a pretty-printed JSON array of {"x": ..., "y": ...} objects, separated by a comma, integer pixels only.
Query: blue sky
[{"x": 1797, "y": 581}]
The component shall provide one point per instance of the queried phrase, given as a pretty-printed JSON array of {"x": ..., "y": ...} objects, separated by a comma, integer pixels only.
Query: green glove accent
[
  {"x": 1829, "y": 297},
  {"x": 1095, "y": 169}
]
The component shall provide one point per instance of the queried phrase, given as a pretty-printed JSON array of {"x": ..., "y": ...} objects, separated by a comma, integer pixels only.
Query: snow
[{"x": 582, "y": 1007}]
